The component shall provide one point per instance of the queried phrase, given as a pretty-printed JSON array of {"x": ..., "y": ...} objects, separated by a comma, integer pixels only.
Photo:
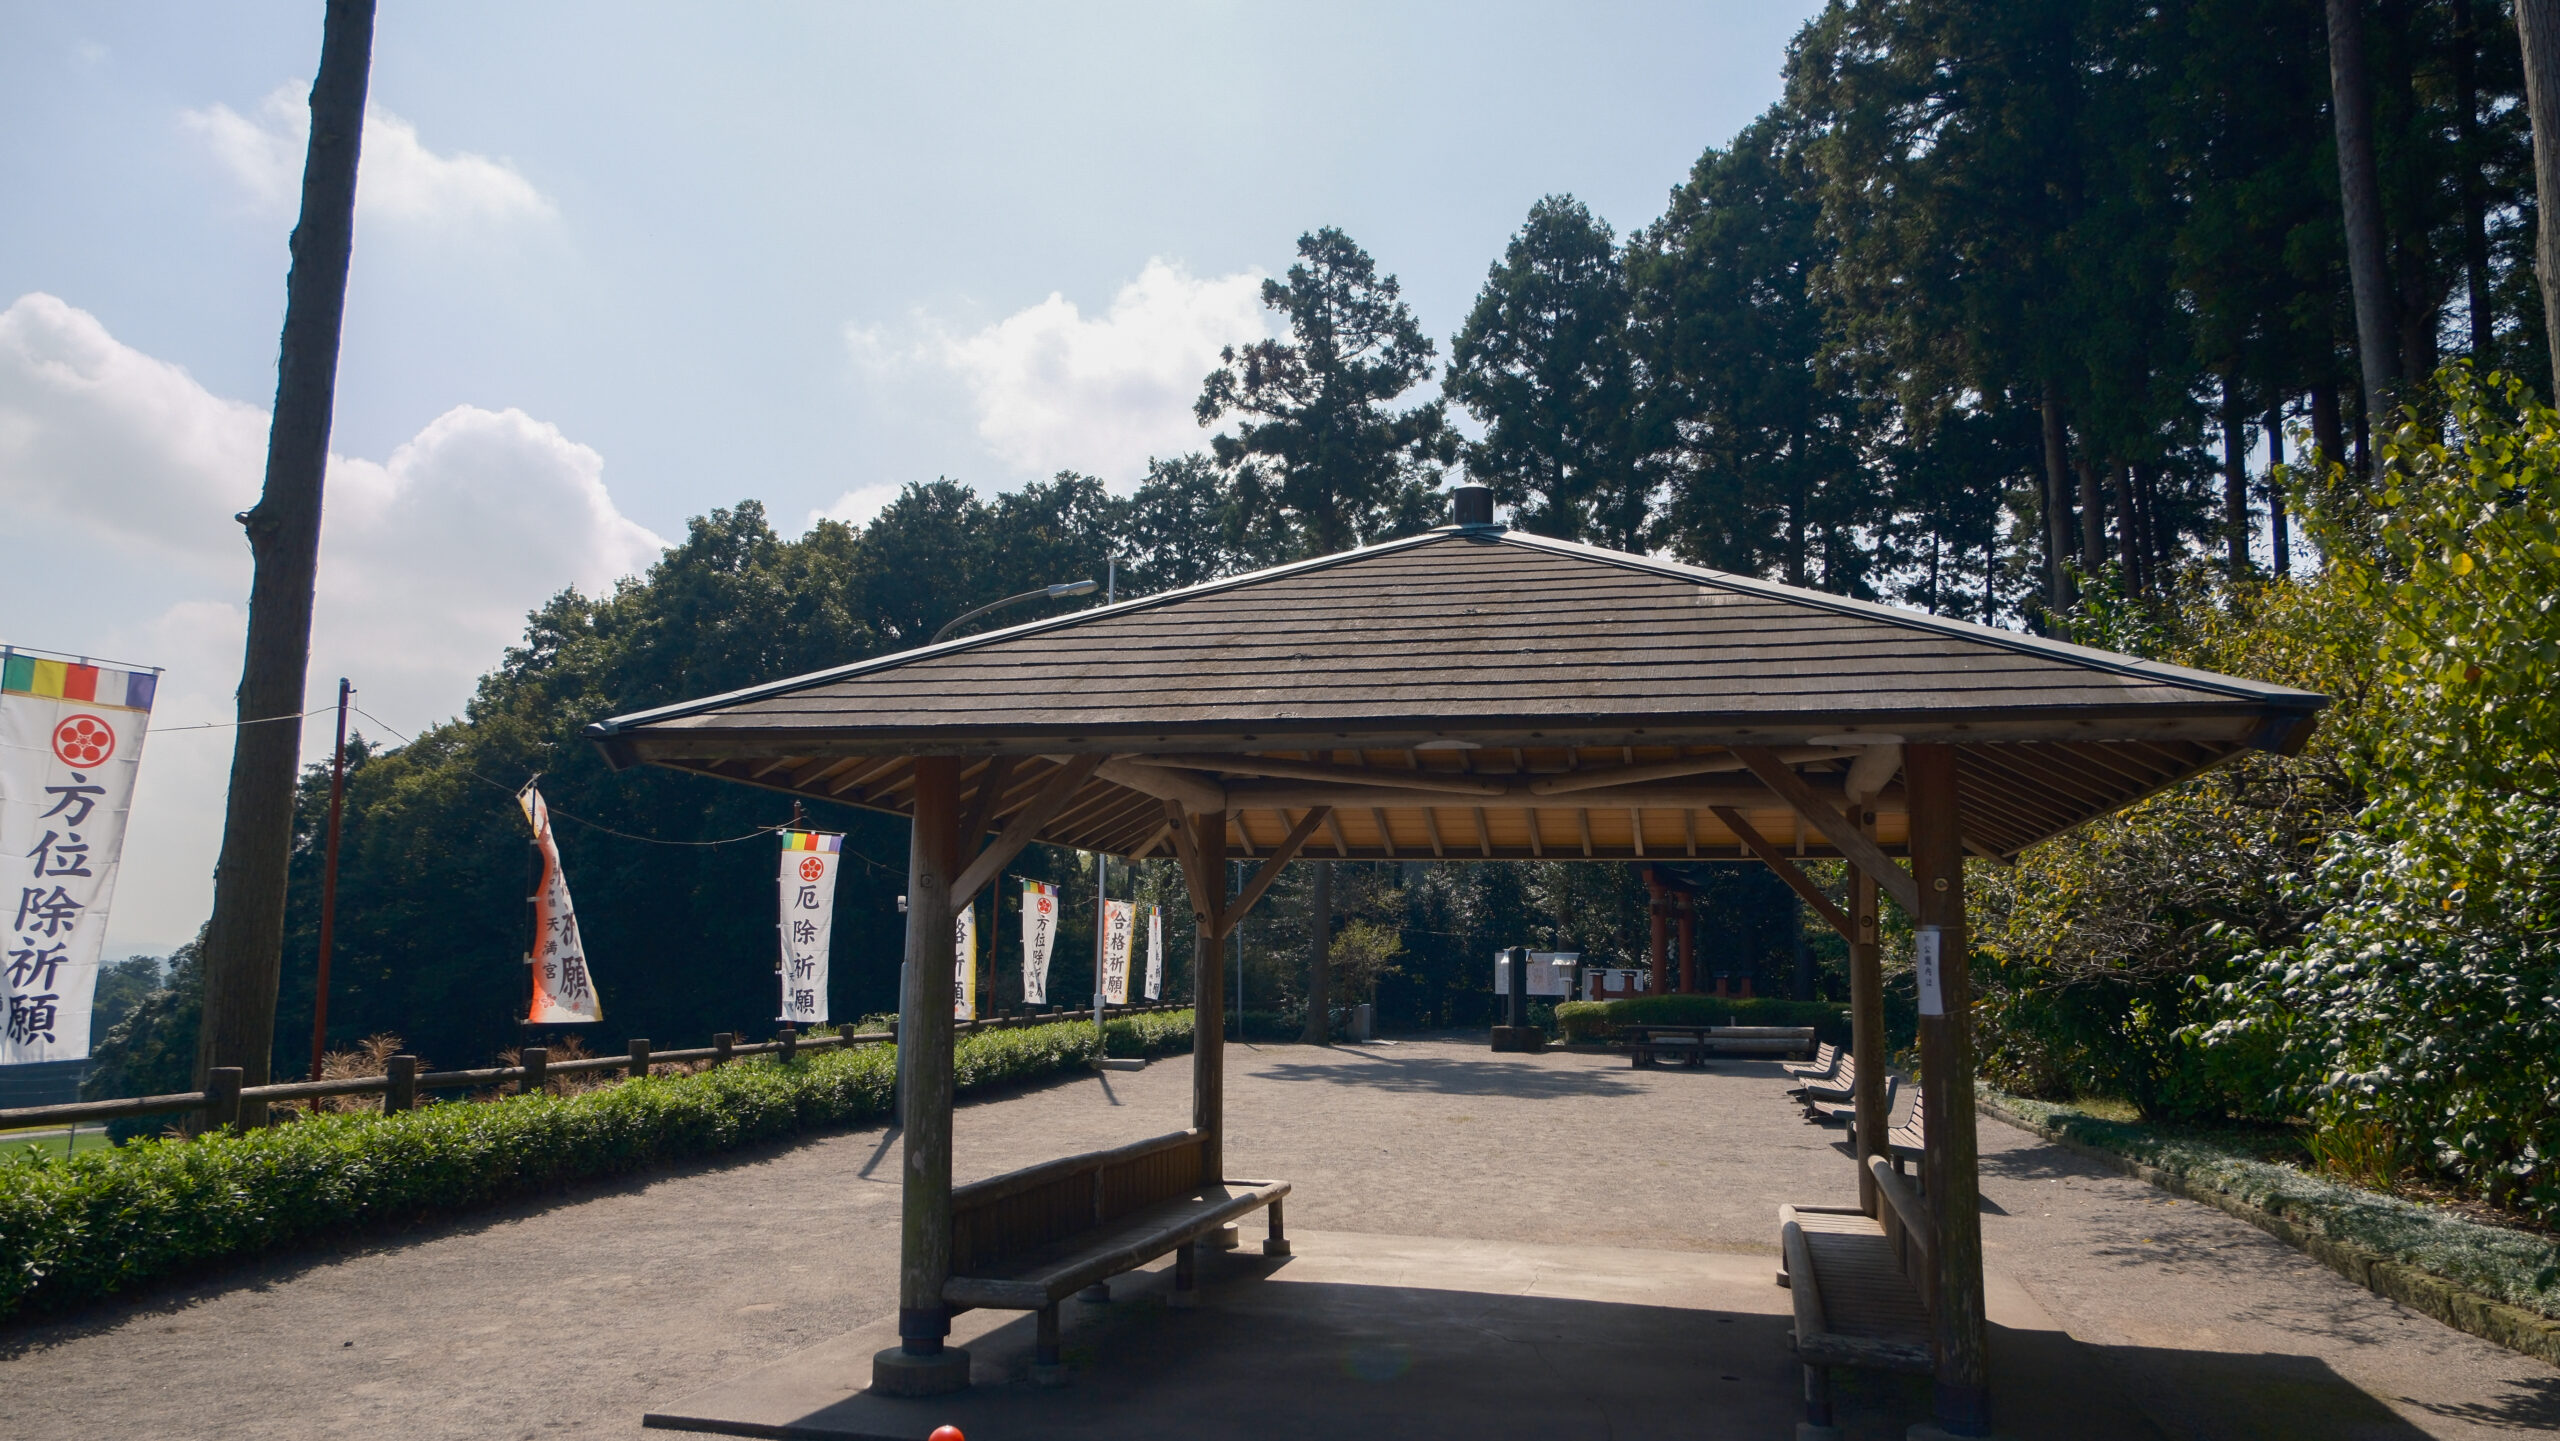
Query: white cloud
[
  {"x": 399, "y": 178},
  {"x": 857, "y": 506},
  {"x": 428, "y": 561},
  {"x": 1055, "y": 389}
]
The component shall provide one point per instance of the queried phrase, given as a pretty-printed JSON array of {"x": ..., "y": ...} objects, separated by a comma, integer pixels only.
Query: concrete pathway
[{"x": 574, "y": 1316}]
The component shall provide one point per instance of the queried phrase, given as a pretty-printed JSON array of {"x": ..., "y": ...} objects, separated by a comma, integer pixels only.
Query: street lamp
[{"x": 1050, "y": 592}]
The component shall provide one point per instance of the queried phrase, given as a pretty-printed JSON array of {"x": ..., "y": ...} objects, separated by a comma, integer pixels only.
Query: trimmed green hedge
[
  {"x": 81, "y": 1228},
  {"x": 1587, "y": 1021}
]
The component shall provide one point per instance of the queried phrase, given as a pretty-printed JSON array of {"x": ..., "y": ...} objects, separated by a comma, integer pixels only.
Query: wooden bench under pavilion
[{"x": 1473, "y": 693}]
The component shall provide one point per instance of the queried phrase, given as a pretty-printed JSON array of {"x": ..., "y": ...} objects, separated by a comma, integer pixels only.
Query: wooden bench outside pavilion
[
  {"x": 1647, "y": 1043},
  {"x": 1471, "y": 693}
]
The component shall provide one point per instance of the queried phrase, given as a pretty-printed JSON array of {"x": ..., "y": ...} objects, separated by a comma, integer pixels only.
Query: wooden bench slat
[
  {"x": 1854, "y": 1306},
  {"x": 1053, "y": 1273}
]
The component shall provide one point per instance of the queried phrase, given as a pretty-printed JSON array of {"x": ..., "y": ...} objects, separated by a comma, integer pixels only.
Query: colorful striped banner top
[
  {"x": 812, "y": 841},
  {"x": 23, "y": 674}
]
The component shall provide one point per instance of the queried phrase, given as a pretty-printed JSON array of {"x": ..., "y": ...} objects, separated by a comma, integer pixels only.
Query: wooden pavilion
[{"x": 1476, "y": 693}]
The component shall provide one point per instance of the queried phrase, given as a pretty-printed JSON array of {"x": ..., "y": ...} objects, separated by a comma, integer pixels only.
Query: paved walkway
[{"x": 572, "y": 1318}]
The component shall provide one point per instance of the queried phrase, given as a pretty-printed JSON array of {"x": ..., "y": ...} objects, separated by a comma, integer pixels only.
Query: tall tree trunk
[
  {"x": 2093, "y": 519},
  {"x": 2279, "y": 543},
  {"x": 2328, "y": 430},
  {"x": 2360, "y": 193},
  {"x": 2057, "y": 501},
  {"x": 1319, "y": 1030},
  {"x": 1796, "y": 570},
  {"x": 2235, "y": 479},
  {"x": 243, "y": 947},
  {"x": 2475, "y": 219},
  {"x": 2538, "y": 26}
]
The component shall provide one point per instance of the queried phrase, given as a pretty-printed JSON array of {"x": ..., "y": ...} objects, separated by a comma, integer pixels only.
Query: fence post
[
  {"x": 537, "y": 1060},
  {"x": 790, "y": 1039},
  {"x": 222, "y": 1099},
  {"x": 402, "y": 1093},
  {"x": 720, "y": 1044},
  {"x": 639, "y": 1057}
]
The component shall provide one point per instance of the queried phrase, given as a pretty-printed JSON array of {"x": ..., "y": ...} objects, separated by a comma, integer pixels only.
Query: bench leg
[
  {"x": 1817, "y": 1425},
  {"x": 1186, "y": 1278},
  {"x": 1277, "y": 1243},
  {"x": 1047, "y": 1367}
]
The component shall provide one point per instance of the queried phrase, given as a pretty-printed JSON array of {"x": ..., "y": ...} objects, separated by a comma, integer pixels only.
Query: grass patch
[
  {"x": 2516, "y": 1267},
  {"x": 106, "y": 1221}
]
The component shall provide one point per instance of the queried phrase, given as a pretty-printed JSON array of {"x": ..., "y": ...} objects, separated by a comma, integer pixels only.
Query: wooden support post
[
  {"x": 639, "y": 1067},
  {"x": 1688, "y": 902},
  {"x": 1963, "y": 1395},
  {"x": 402, "y": 1094},
  {"x": 1186, "y": 1278},
  {"x": 920, "y": 1365},
  {"x": 1660, "y": 912},
  {"x": 1048, "y": 1368},
  {"x": 1866, "y": 1018},
  {"x": 222, "y": 1098},
  {"x": 1207, "y": 878},
  {"x": 722, "y": 1045},
  {"x": 537, "y": 1066}
]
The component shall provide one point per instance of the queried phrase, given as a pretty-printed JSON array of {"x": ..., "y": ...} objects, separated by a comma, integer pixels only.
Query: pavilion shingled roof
[{"x": 1478, "y": 692}]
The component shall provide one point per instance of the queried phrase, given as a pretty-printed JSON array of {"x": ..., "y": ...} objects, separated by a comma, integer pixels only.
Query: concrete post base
[
  {"x": 1222, "y": 1239},
  {"x": 900, "y": 1372}
]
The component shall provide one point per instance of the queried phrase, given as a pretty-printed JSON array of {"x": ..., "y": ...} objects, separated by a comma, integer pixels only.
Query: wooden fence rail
[{"x": 222, "y": 1099}]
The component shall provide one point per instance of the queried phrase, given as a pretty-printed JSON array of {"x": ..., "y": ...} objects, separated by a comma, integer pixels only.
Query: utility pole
[
  {"x": 329, "y": 885},
  {"x": 244, "y": 939}
]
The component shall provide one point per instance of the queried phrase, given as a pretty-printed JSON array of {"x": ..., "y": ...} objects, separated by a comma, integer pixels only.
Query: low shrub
[
  {"x": 81, "y": 1228},
  {"x": 1595, "y": 1021}
]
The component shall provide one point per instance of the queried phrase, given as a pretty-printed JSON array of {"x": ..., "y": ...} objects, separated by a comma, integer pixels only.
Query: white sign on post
[
  {"x": 808, "y": 887},
  {"x": 964, "y": 964},
  {"x": 1155, "y": 953},
  {"x": 1925, "y": 955},
  {"x": 70, "y": 742},
  {"x": 1039, "y": 935},
  {"x": 1550, "y": 973}
]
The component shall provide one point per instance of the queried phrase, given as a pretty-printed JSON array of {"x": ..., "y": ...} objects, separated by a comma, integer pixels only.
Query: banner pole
[{"x": 329, "y": 889}]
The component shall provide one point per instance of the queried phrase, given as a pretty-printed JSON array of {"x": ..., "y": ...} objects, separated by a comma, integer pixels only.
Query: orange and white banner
[
  {"x": 564, "y": 993},
  {"x": 70, "y": 742},
  {"x": 1039, "y": 937},
  {"x": 1119, "y": 920}
]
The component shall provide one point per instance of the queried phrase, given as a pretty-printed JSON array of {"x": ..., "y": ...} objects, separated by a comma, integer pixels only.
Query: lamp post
[{"x": 1046, "y": 592}]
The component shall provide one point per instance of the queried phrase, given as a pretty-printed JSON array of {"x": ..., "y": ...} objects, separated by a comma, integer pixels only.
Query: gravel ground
[{"x": 570, "y": 1316}]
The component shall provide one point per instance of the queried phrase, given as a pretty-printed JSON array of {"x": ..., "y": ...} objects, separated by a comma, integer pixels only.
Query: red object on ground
[{"x": 946, "y": 1433}]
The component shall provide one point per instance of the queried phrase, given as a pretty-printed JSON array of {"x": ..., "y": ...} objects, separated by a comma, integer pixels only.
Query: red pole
[{"x": 329, "y": 886}]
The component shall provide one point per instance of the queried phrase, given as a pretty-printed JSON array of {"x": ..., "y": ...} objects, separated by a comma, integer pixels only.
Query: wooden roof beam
[
  {"x": 1582, "y": 780},
  {"x": 1865, "y": 854},
  {"x": 1198, "y": 794},
  {"x": 1232, "y": 914},
  {"x": 1796, "y": 880},
  {"x": 1044, "y": 807},
  {"x": 1416, "y": 779}
]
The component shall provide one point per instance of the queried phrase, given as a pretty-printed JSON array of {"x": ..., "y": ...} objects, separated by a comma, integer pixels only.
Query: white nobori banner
[
  {"x": 1119, "y": 919},
  {"x": 808, "y": 891},
  {"x": 1155, "y": 953},
  {"x": 1039, "y": 937},
  {"x": 564, "y": 990},
  {"x": 964, "y": 964},
  {"x": 70, "y": 742}
]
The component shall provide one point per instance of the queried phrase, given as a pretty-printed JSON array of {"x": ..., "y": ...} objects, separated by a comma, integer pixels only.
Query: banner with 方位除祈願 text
[
  {"x": 1039, "y": 937},
  {"x": 70, "y": 743}
]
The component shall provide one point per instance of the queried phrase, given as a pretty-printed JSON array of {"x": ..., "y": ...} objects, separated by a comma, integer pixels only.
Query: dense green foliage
[{"x": 102, "y": 1222}]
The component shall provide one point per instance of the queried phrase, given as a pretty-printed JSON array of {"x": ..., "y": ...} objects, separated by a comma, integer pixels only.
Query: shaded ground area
[{"x": 573, "y": 1318}]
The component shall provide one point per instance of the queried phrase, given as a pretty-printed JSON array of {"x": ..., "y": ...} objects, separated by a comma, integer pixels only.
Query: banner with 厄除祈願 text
[
  {"x": 808, "y": 891},
  {"x": 70, "y": 742},
  {"x": 1039, "y": 937},
  {"x": 564, "y": 990}
]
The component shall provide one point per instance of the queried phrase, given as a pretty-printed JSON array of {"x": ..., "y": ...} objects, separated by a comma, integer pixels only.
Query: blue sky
[{"x": 618, "y": 264}]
